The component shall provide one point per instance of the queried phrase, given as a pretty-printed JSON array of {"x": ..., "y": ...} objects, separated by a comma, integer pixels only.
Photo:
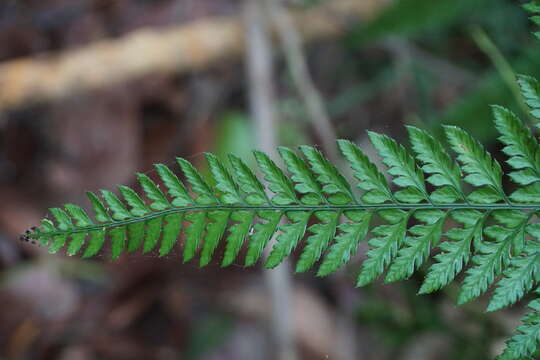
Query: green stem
[{"x": 324, "y": 207}]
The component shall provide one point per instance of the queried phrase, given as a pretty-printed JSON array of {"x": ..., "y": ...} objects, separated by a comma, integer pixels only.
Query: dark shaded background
[{"x": 417, "y": 63}]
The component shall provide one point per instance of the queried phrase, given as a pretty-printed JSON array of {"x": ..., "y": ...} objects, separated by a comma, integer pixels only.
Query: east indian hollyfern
[{"x": 458, "y": 206}]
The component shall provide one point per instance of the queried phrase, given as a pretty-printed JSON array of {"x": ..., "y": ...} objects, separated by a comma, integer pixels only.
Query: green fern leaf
[
  {"x": 58, "y": 242},
  {"x": 214, "y": 232},
  {"x": 118, "y": 241},
  {"x": 248, "y": 182},
  {"x": 64, "y": 224},
  {"x": 102, "y": 215},
  {"x": 225, "y": 182},
  {"x": 95, "y": 244},
  {"x": 97, "y": 236},
  {"x": 176, "y": 189},
  {"x": 520, "y": 277},
  {"x": 347, "y": 242},
  {"x": 317, "y": 243},
  {"x": 135, "y": 233},
  {"x": 119, "y": 211},
  {"x": 304, "y": 179},
  {"x": 159, "y": 200},
  {"x": 262, "y": 233},
  {"x": 171, "y": 231},
  {"x": 455, "y": 254},
  {"x": 525, "y": 342},
  {"x": 482, "y": 170},
  {"x": 278, "y": 182},
  {"x": 289, "y": 238},
  {"x": 79, "y": 215},
  {"x": 521, "y": 146},
  {"x": 383, "y": 248},
  {"x": 76, "y": 243},
  {"x": 194, "y": 233},
  {"x": 371, "y": 180},
  {"x": 138, "y": 207},
  {"x": 327, "y": 174},
  {"x": 62, "y": 219},
  {"x": 81, "y": 220},
  {"x": 530, "y": 88},
  {"x": 401, "y": 165},
  {"x": 532, "y": 6},
  {"x": 238, "y": 233},
  {"x": 198, "y": 185},
  {"x": 153, "y": 233},
  {"x": 493, "y": 257},
  {"x": 527, "y": 194},
  {"x": 444, "y": 172},
  {"x": 416, "y": 249}
]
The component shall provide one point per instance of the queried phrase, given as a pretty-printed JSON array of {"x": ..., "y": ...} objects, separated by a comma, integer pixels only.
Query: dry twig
[{"x": 179, "y": 49}]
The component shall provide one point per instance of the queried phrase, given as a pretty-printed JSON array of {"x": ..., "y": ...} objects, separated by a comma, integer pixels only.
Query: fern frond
[
  {"x": 455, "y": 253},
  {"x": 416, "y": 248},
  {"x": 470, "y": 221},
  {"x": 317, "y": 243},
  {"x": 385, "y": 246},
  {"x": 524, "y": 343},
  {"x": 482, "y": 170},
  {"x": 371, "y": 179},
  {"x": 442, "y": 170},
  {"x": 521, "y": 146},
  {"x": 401, "y": 165},
  {"x": 291, "y": 234},
  {"x": 346, "y": 245},
  {"x": 493, "y": 257},
  {"x": 530, "y": 89},
  {"x": 534, "y": 7},
  {"x": 520, "y": 277}
]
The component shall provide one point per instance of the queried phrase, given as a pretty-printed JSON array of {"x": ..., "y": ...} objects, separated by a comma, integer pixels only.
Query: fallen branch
[
  {"x": 260, "y": 84},
  {"x": 178, "y": 49}
]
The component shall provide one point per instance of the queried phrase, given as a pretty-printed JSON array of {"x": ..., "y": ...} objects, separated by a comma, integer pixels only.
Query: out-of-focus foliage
[
  {"x": 413, "y": 17},
  {"x": 490, "y": 89}
]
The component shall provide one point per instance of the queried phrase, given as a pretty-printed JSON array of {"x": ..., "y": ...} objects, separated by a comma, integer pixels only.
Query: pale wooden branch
[
  {"x": 345, "y": 340},
  {"x": 260, "y": 85},
  {"x": 181, "y": 48}
]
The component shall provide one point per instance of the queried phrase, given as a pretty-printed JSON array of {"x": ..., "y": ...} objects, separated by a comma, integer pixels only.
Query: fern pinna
[{"x": 457, "y": 206}]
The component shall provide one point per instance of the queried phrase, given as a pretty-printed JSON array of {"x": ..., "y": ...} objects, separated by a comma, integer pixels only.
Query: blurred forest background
[{"x": 92, "y": 91}]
